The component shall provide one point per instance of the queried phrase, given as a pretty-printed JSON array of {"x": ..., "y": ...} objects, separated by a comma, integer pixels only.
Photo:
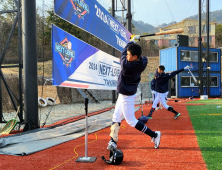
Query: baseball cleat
[
  {"x": 149, "y": 116},
  {"x": 176, "y": 116},
  {"x": 111, "y": 145},
  {"x": 156, "y": 140}
]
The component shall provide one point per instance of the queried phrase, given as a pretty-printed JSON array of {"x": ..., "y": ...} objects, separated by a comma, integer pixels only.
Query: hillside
[
  {"x": 141, "y": 27},
  {"x": 215, "y": 16}
]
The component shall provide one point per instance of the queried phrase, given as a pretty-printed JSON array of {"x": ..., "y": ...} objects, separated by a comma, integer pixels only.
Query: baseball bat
[
  {"x": 172, "y": 31},
  {"x": 192, "y": 76}
]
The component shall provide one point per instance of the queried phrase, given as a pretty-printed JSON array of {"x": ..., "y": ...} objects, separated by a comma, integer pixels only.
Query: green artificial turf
[{"x": 207, "y": 123}]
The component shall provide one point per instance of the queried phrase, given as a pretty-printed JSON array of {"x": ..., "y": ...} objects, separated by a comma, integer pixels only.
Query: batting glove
[
  {"x": 186, "y": 68},
  {"x": 135, "y": 38}
]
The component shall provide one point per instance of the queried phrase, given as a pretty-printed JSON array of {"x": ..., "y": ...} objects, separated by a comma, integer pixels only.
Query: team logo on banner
[
  {"x": 64, "y": 48},
  {"x": 80, "y": 7}
]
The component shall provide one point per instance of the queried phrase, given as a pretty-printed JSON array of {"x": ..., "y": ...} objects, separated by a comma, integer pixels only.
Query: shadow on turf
[
  {"x": 213, "y": 149},
  {"x": 163, "y": 133},
  {"x": 132, "y": 164},
  {"x": 168, "y": 148}
]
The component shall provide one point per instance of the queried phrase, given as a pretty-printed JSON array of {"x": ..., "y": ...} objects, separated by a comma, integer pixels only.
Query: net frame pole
[
  {"x": 113, "y": 91},
  {"x": 1, "y": 114},
  {"x": 29, "y": 38}
]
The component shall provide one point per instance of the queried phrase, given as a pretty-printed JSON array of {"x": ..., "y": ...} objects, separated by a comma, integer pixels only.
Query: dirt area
[{"x": 48, "y": 91}]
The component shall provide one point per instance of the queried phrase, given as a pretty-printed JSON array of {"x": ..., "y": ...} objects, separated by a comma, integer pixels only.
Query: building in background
[
  {"x": 183, "y": 85},
  {"x": 190, "y": 29}
]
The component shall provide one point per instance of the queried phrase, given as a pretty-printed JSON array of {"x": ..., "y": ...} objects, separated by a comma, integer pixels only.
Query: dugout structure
[{"x": 183, "y": 85}]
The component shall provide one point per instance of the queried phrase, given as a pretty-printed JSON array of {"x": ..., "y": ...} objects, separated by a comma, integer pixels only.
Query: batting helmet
[
  {"x": 143, "y": 119},
  {"x": 115, "y": 157}
]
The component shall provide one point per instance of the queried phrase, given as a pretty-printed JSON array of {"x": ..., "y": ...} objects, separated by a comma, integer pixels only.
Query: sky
[{"x": 156, "y": 12}]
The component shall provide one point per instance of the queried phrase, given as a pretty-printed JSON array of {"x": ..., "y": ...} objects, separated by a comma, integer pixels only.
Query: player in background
[
  {"x": 154, "y": 93},
  {"x": 162, "y": 90},
  {"x": 132, "y": 65}
]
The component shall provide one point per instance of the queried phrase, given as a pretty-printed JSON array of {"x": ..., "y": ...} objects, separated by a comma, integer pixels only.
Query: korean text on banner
[
  {"x": 90, "y": 16},
  {"x": 78, "y": 65}
]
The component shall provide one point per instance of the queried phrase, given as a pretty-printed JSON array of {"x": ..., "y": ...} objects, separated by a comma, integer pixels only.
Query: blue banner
[
  {"x": 90, "y": 16},
  {"x": 78, "y": 65}
]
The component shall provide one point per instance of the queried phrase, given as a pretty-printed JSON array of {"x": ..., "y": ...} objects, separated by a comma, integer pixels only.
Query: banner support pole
[{"x": 86, "y": 158}]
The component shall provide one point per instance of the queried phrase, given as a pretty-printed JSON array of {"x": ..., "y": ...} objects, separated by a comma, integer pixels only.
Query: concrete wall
[{"x": 153, "y": 63}]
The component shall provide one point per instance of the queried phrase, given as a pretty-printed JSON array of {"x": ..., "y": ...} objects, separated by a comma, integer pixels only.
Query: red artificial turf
[{"x": 178, "y": 149}]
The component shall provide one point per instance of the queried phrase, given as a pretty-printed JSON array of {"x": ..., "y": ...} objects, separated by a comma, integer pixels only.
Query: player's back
[
  {"x": 130, "y": 75},
  {"x": 162, "y": 82}
]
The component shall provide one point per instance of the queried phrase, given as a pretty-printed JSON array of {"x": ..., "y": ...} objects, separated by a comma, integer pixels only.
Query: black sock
[
  {"x": 111, "y": 137},
  {"x": 113, "y": 140},
  {"x": 172, "y": 110},
  {"x": 151, "y": 111},
  {"x": 158, "y": 105},
  {"x": 143, "y": 128},
  {"x": 116, "y": 122}
]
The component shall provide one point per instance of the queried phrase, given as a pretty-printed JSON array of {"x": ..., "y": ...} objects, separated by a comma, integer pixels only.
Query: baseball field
[
  {"x": 193, "y": 141},
  {"x": 207, "y": 121}
]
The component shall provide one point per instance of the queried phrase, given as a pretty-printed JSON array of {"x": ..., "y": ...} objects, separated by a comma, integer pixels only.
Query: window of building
[
  {"x": 191, "y": 41},
  {"x": 167, "y": 35},
  {"x": 204, "y": 28},
  {"x": 189, "y": 55},
  {"x": 156, "y": 42},
  {"x": 172, "y": 43},
  {"x": 213, "y": 57},
  {"x": 187, "y": 81},
  {"x": 210, "y": 39},
  {"x": 191, "y": 30},
  {"x": 192, "y": 56},
  {"x": 214, "y": 81},
  {"x": 193, "y": 83}
]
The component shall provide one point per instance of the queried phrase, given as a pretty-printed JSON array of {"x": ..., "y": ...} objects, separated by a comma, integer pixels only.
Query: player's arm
[
  {"x": 172, "y": 74},
  {"x": 133, "y": 39},
  {"x": 124, "y": 52},
  {"x": 123, "y": 59},
  {"x": 145, "y": 62}
]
